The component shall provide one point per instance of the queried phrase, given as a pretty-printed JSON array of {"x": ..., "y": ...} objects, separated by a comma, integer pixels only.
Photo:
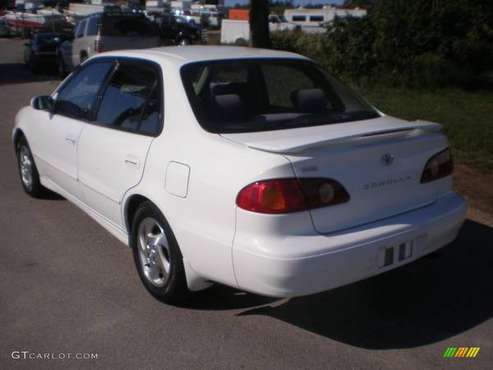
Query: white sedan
[{"x": 247, "y": 167}]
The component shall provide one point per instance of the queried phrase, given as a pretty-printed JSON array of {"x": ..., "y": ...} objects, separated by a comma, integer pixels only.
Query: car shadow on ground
[
  {"x": 50, "y": 195},
  {"x": 430, "y": 300},
  {"x": 15, "y": 73}
]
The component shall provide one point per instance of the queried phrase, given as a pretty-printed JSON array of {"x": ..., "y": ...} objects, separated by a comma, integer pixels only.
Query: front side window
[
  {"x": 77, "y": 97},
  {"x": 132, "y": 100},
  {"x": 92, "y": 26},
  {"x": 80, "y": 29},
  {"x": 268, "y": 94}
]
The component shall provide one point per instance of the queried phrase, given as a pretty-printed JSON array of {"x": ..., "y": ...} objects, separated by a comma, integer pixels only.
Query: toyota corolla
[{"x": 247, "y": 167}]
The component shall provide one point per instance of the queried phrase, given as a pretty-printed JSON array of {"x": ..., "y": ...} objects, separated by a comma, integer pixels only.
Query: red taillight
[
  {"x": 98, "y": 46},
  {"x": 291, "y": 195},
  {"x": 438, "y": 166}
]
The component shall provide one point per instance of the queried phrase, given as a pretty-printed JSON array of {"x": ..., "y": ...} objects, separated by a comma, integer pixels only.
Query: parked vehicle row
[
  {"x": 247, "y": 167},
  {"x": 107, "y": 31}
]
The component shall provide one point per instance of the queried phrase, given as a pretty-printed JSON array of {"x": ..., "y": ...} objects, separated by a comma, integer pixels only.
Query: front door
[
  {"x": 58, "y": 132},
  {"x": 112, "y": 151}
]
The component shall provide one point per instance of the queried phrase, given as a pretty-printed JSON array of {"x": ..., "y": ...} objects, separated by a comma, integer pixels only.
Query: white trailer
[
  {"x": 85, "y": 9},
  {"x": 236, "y": 31},
  {"x": 318, "y": 17}
]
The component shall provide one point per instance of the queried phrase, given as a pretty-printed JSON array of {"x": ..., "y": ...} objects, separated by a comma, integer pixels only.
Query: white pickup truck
[{"x": 238, "y": 31}]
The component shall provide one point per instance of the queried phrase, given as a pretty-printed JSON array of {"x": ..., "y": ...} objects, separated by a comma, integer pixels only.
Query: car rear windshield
[
  {"x": 251, "y": 95},
  {"x": 126, "y": 26}
]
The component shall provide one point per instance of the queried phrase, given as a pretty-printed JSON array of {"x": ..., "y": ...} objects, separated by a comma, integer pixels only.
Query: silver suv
[{"x": 105, "y": 32}]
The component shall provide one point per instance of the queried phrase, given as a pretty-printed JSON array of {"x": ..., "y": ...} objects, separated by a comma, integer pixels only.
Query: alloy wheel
[
  {"x": 26, "y": 166},
  {"x": 154, "y": 253}
]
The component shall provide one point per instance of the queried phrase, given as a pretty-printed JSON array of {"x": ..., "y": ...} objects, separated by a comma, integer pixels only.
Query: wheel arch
[
  {"x": 131, "y": 205},
  {"x": 195, "y": 281},
  {"x": 17, "y": 135}
]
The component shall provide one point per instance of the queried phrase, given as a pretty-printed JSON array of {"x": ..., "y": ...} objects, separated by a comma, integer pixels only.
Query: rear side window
[
  {"x": 77, "y": 97},
  {"x": 92, "y": 26},
  {"x": 80, "y": 29},
  {"x": 127, "y": 27},
  {"x": 132, "y": 100}
]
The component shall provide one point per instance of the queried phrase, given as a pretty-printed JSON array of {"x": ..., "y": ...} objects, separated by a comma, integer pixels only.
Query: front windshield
[{"x": 268, "y": 94}]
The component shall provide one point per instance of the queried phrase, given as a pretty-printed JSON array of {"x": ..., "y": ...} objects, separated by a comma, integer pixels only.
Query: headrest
[
  {"x": 309, "y": 100},
  {"x": 227, "y": 88},
  {"x": 230, "y": 107}
]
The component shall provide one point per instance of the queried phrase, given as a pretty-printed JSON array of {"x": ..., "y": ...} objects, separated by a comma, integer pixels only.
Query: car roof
[{"x": 181, "y": 55}]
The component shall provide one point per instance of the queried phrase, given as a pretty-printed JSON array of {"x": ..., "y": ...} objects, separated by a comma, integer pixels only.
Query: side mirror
[{"x": 43, "y": 102}]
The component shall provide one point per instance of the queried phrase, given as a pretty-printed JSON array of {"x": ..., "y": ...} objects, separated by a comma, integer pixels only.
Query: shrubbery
[{"x": 419, "y": 43}]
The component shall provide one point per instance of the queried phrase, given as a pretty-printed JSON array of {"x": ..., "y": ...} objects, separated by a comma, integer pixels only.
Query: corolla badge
[{"x": 387, "y": 159}]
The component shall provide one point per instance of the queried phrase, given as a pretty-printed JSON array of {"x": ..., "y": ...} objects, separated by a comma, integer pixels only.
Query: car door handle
[
  {"x": 132, "y": 161},
  {"x": 71, "y": 139}
]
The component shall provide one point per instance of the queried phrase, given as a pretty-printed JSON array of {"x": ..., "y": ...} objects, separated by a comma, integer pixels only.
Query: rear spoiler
[{"x": 415, "y": 128}]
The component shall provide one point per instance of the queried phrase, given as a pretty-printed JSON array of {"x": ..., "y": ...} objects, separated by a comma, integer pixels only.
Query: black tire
[
  {"x": 33, "y": 187},
  {"x": 241, "y": 42},
  {"x": 33, "y": 65},
  {"x": 62, "y": 71},
  {"x": 83, "y": 57},
  {"x": 26, "y": 60},
  {"x": 174, "y": 287}
]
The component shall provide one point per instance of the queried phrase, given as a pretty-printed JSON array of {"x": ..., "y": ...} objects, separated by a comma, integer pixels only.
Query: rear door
[{"x": 112, "y": 152}]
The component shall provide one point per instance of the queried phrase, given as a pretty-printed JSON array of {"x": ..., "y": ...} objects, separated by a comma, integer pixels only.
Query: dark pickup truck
[{"x": 176, "y": 30}]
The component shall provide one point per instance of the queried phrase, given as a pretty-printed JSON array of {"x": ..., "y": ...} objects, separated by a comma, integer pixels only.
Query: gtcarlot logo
[
  {"x": 32, "y": 355},
  {"x": 461, "y": 352}
]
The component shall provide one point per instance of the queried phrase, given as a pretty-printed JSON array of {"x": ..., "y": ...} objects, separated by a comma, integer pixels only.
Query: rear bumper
[{"x": 350, "y": 255}]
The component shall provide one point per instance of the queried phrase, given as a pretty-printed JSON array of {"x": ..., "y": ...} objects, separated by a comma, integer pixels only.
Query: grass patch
[{"x": 466, "y": 116}]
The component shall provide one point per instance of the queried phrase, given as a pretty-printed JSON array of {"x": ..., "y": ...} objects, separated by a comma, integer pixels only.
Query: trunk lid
[{"x": 378, "y": 161}]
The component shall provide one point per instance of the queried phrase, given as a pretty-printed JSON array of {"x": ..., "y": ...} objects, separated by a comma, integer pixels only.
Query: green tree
[{"x": 421, "y": 43}]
